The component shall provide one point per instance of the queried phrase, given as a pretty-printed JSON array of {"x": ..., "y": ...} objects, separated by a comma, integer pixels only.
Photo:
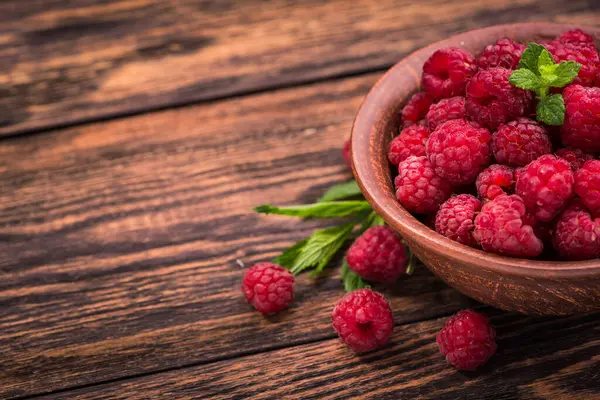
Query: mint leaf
[
  {"x": 530, "y": 57},
  {"x": 352, "y": 281},
  {"x": 341, "y": 191},
  {"x": 564, "y": 73},
  {"x": 545, "y": 59},
  {"x": 372, "y": 220},
  {"x": 332, "y": 209},
  {"x": 525, "y": 79},
  {"x": 551, "y": 110},
  {"x": 287, "y": 258},
  {"x": 320, "y": 247}
]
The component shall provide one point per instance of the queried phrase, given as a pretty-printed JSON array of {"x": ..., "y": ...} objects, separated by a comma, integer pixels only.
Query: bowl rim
[{"x": 401, "y": 220}]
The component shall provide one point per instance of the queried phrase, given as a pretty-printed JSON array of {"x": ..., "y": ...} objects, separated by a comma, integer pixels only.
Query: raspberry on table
[
  {"x": 378, "y": 255},
  {"x": 410, "y": 142},
  {"x": 495, "y": 180},
  {"x": 582, "y": 118},
  {"x": 459, "y": 151},
  {"x": 587, "y": 185},
  {"x": 416, "y": 108},
  {"x": 519, "y": 142},
  {"x": 505, "y": 53},
  {"x": 575, "y": 36},
  {"x": 418, "y": 188},
  {"x": 363, "y": 320},
  {"x": 468, "y": 340},
  {"x": 583, "y": 53},
  {"x": 346, "y": 153},
  {"x": 577, "y": 235},
  {"x": 447, "y": 71},
  {"x": 268, "y": 287},
  {"x": 493, "y": 100},
  {"x": 546, "y": 185},
  {"x": 575, "y": 157},
  {"x": 455, "y": 218},
  {"x": 503, "y": 226},
  {"x": 446, "y": 110}
]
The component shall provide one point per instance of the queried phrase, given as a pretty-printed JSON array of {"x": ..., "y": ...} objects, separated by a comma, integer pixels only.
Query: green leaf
[
  {"x": 321, "y": 247},
  {"x": 530, "y": 57},
  {"x": 352, "y": 281},
  {"x": 287, "y": 258},
  {"x": 341, "y": 191},
  {"x": 564, "y": 73},
  {"x": 545, "y": 60},
  {"x": 551, "y": 110},
  {"x": 372, "y": 220},
  {"x": 525, "y": 79},
  {"x": 332, "y": 209}
]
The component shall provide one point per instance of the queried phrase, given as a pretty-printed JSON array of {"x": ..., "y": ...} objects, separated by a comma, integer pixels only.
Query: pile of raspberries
[{"x": 471, "y": 155}]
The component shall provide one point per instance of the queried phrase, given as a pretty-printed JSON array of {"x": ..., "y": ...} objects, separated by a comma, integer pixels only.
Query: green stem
[{"x": 411, "y": 263}]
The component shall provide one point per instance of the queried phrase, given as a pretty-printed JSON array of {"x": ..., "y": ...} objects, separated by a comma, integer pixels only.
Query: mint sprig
[
  {"x": 330, "y": 209},
  {"x": 538, "y": 72},
  {"x": 341, "y": 191},
  {"x": 351, "y": 280}
]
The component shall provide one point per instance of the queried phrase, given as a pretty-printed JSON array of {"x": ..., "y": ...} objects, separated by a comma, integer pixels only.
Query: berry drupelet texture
[
  {"x": 505, "y": 53},
  {"x": 494, "y": 181},
  {"x": 459, "y": 151},
  {"x": 587, "y": 185},
  {"x": 378, "y": 255},
  {"x": 410, "y": 142},
  {"x": 455, "y": 218},
  {"x": 446, "y": 110},
  {"x": 418, "y": 188},
  {"x": 582, "y": 118},
  {"x": 467, "y": 340},
  {"x": 416, "y": 108},
  {"x": 576, "y": 36},
  {"x": 447, "y": 71},
  {"x": 268, "y": 287},
  {"x": 577, "y": 234},
  {"x": 519, "y": 142},
  {"x": 575, "y": 157},
  {"x": 363, "y": 320}
]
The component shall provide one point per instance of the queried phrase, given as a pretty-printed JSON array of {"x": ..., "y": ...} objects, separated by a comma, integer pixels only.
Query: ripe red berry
[
  {"x": 546, "y": 185},
  {"x": 410, "y": 142},
  {"x": 503, "y": 226},
  {"x": 583, "y": 53},
  {"x": 346, "y": 153},
  {"x": 418, "y": 188},
  {"x": 447, "y": 71},
  {"x": 575, "y": 36},
  {"x": 446, "y": 110},
  {"x": 587, "y": 185},
  {"x": 268, "y": 287},
  {"x": 468, "y": 340},
  {"x": 495, "y": 180},
  {"x": 459, "y": 151},
  {"x": 416, "y": 108},
  {"x": 378, "y": 255},
  {"x": 493, "y": 100},
  {"x": 582, "y": 118},
  {"x": 575, "y": 157},
  {"x": 455, "y": 218},
  {"x": 577, "y": 235},
  {"x": 505, "y": 53},
  {"x": 519, "y": 142},
  {"x": 363, "y": 320}
]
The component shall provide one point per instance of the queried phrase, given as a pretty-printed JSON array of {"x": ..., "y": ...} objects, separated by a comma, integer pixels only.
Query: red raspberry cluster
[{"x": 538, "y": 187}]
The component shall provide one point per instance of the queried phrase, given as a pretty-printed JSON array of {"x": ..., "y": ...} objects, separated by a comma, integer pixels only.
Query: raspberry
[
  {"x": 495, "y": 180},
  {"x": 418, "y": 188},
  {"x": 467, "y": 340},
  {"x": 268, "y": 287},
  {"x": 455, "y": 218},
  {"x": 546, "y": 185},
  {"x": 417, "y": 107},
  {"x": 574, "y": 156},
  {"x": 493, "y": 100},
  {"x": 346, "y": 153},
  {"x": 577, "y": 235},
  {"x": 520, "y": 142},
  {"x": 378, "y": 255},
  {"x": 459, "y": 151},
  {"x": 447, "y": 71},
  {"x": 575, "y": 36},
  {"x": 583, "y": 53},
  {"x": 503, "y": 226},
  {"x": 587, "y": 185},
  {"x": 410, "y": 142},
  {"x": 363, "y": 320},
  {"x": 582, "y": 118},
  {"x": 506, "y": 53},
  {"x": 446, "y": 110}
]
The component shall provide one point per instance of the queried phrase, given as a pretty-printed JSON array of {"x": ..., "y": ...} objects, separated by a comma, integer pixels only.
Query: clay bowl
[{"x": 526, "y": 286}]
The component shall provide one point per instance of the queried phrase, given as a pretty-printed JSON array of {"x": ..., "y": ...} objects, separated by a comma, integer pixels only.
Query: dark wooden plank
[
  {"x": 70, "y": 61},
  {"x": 120, "y": 240},
  {"x": 547, "y": 358}
]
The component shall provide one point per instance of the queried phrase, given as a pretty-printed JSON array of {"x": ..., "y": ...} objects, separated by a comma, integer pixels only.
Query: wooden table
[{"x": 136, "y": 137}]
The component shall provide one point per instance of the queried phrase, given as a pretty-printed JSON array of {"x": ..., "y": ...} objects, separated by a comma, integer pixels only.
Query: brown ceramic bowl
[{"x": 530, "y": 287}]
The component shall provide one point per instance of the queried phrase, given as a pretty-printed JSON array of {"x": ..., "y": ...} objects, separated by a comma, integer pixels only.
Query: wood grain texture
[
  {"x": 70, "y": 61},
  {"x": 554, "y": 359},
  {"x": 120, "y": 240}
]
